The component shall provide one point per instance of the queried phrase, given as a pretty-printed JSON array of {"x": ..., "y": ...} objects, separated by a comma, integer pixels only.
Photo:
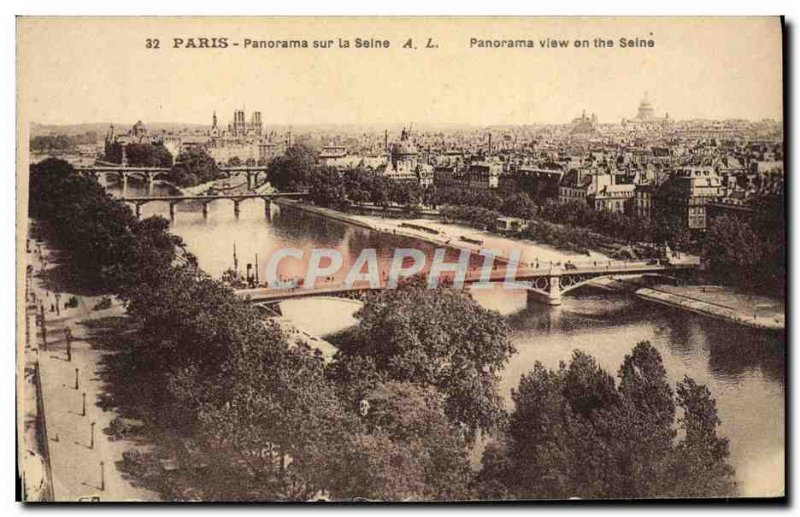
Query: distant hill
[{"x": 101, "y": 128}]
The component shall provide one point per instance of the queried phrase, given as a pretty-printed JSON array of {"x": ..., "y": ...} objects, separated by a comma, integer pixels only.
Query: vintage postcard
[{"x": 400, "y": 259}]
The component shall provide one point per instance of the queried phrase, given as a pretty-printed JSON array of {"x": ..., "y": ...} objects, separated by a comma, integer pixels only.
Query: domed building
[
  {"x": 115, "y": 143},
  {"x": 404, "y": 163},
  {"x": 138, "y": 131},
  {"x": 646, "y": 111},
  {"x": 646, "y": 119},
  {"x": 404, "y": 152}
]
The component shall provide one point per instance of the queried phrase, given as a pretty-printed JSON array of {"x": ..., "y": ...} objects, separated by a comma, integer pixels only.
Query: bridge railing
[
  {"x": 212, "y": 197},
  {"x": 332, "y": 285}
]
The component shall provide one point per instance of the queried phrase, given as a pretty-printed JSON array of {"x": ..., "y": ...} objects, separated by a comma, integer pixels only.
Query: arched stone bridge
[
  {"x": 138, "y": 202},
  {"x": 150, "y": 174}
]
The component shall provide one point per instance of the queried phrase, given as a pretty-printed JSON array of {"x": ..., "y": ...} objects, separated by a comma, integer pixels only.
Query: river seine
[{"x": 744, "y": 369}]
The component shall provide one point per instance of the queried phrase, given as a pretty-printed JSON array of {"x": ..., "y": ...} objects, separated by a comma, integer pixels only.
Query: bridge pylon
[
  {"x": 546, "y": 290},
  {"x": 554, "y": 297}
]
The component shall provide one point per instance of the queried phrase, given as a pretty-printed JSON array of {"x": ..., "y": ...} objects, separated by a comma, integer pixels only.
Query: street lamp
[{"x": 68, "y": 335}]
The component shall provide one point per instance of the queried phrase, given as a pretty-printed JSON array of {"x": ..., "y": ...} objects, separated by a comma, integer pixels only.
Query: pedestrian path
[{"x": 83, "y": 458}]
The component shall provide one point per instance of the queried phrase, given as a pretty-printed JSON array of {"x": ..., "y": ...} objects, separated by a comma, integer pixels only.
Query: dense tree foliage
[
  {"x": 577, "y": 433},
  {"x": 193, "y": 167},
  {"x": 105, "y": 245},
  {"x": 326, "y": 187},
  {"x": 139, "y": 154},
  {"x": 750, "y": 252},
  {"x": 406, "y": 449},
  {"x": 290, "y": 171},
  {"x": 476, "y": 216},
  {"x": 482, "y": 198},
  {"x": 618, "y": 225},
  {"x": 519, "y": 205},
  {"x": 436, "y": 338},
  {"x": 148, "y": 155},
  {"x": 61, "y": 142},
  {"x": 329, "y": 187}
]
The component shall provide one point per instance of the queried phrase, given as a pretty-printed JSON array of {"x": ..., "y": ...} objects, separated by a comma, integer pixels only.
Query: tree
[
  {"x": 359, "y": 184},
  {"x": 440, "y": 338},
  {"x": 105, "y": 245},
  {"x": 519, "y": 205},
  {"x": 285, "y": 430},
  {"x": 379, "y": 194},
  {"x": 61, "y": 142},
  {"x": 670, "y": 228},
  {"x": 407, "y": 449},
  {"x": 472, "y": 215},
  {"x": 148, "y": 155},
  {"x": 97, "y": 233},
  {"x": 327, "y": 187},
  {"x": 153, "y": 252},
  {"x": 701, "y": 452},
  {"x": 405, "y": 193},
  {"x": 769, "y": 223},
  {"x": 194, "y": 166},
  {"x": 734, "y": 249},
  {"x": 290, "y": 171},
  {"x": 112, "y": 152},
  {"x": 576, "y": 433}
]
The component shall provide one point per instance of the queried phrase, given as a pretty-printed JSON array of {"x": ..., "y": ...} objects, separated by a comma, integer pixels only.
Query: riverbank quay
[
  {"x": 34, "y": 461},
  {"x": 33, "y": 453},
  {"x": 83, "y": 456},
  {"x": 451, "y": 236},
  {"x": 718, "y": 302}
]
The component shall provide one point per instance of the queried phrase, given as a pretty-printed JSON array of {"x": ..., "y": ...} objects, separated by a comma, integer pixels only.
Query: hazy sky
[{"x": 74, "y": 70}]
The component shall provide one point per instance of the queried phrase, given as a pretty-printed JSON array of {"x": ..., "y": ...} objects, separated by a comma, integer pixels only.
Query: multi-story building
[
  {"x": 643, "y": 201},
  {"x": 539, "y": 182},
  {"x": 574, "y": 186},
  {"x": 686, "y": 193},
  {"x": 613, "y": 197},
  {"x": 484, "y": 174}
]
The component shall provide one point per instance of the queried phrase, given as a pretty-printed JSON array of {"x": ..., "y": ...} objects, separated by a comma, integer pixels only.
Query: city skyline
[{"x": 698, "y": 69}]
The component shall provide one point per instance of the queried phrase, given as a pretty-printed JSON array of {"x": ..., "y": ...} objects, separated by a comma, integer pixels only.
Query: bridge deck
[
  {"x": 111, "y": 168},
  {"x": 128, "y": 168},
  {"x": 210, "y": 197},
  {"x": 522, "y": 274}
]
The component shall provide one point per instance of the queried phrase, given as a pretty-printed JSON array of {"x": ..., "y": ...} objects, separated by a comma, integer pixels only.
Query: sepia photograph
[{"x": 400, "y": 259}]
